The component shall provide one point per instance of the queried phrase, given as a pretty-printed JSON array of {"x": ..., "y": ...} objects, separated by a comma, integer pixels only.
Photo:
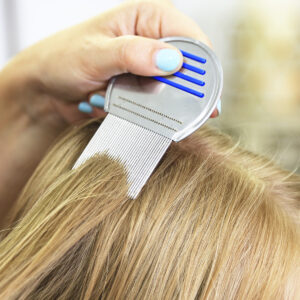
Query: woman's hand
[
  {"x": 59, "y": 72},
  {"x": 40, "y": 89}
]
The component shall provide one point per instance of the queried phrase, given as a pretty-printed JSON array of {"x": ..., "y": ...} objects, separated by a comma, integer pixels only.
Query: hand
[
  {"x": 40, "y": 89},
  {"x": 68, "y": 67}
]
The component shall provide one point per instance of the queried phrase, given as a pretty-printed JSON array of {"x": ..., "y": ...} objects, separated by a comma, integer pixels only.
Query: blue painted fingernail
[
  {"x": 85, "y": 107},
  {"x": 168, "y": 59},
  {"x": 219, "y": 106},
  {"x": 97, "y": 100}
]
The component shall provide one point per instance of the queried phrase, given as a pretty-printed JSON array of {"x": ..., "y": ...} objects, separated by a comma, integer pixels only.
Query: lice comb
[{"x": 146, "y": 114}]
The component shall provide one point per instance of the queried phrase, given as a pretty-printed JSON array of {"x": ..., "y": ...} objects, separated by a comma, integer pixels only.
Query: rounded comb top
[{"x": 173, "y": 106}]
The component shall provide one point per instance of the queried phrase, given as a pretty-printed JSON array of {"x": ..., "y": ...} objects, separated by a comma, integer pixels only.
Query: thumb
[{"x": 140, "y": 56}]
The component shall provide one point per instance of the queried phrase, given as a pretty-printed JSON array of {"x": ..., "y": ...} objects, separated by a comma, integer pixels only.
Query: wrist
[
  {"x": 18, "y": 86},
  {"x": 22, "y": 96}
]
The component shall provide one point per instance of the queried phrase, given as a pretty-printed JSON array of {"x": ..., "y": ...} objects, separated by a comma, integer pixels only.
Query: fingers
[
  {"x": 93, "y": 107},
  {"x": 214, "y": 114},
  {"x": 169, "y": 21},
  {"x": 132, "y": 45},
  {"x": 153, "y": 19},
  {"x": 217, "y": 110},
  {"x": 136, "y": 26},
  {"x": 140, "y": 56},
  {"x": 178, "y": 24}
]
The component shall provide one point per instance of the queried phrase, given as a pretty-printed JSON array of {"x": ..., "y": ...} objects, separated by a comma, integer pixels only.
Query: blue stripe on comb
[
  {"x": 189, "y": 78},
  {"x": 193, "y": 57},
  {"x": 194, "y": 69},
  {"x": 179, "y": 86}
]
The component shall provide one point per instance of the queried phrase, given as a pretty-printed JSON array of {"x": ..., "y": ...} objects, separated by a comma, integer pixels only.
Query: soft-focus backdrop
[{"x": 258, "y": 42}]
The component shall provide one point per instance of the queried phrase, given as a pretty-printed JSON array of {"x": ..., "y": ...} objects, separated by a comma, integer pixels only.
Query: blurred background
[{"x": 258, "y": 42}]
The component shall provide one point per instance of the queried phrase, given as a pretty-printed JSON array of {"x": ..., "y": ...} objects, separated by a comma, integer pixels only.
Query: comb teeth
[
  {"x": 135, "y": 147},
  {"x": 187, "y": 77}
]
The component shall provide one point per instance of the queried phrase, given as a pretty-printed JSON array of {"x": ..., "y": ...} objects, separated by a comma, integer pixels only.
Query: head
[{"x": 214, "y": 221}]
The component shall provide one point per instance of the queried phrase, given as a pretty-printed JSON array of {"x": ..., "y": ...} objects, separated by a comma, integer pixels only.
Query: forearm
[{"x": 25, "y": 133}]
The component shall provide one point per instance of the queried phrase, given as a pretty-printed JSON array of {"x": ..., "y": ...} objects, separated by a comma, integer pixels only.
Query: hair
[{"x": 214, "y": 221}]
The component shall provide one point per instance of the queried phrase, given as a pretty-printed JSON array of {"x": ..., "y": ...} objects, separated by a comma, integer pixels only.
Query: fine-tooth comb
[{"x": 147, "y": 113}]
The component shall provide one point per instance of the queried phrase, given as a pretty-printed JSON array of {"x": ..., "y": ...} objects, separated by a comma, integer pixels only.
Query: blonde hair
[{"x": 213, "y": 222}]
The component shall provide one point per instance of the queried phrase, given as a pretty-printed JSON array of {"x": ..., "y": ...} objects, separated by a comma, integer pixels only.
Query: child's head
[{"x": 213, "y": 222}]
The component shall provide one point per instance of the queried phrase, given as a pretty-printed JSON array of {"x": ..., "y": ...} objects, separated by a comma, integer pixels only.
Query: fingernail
[
  {"x": 85, "y": 107},
  {"x": 219, "y": 107},
  {"x": 168, "y": 59},
  {"x": 97, "y": 100}
]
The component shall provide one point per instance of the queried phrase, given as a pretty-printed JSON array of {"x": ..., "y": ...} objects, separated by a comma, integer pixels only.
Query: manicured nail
[
  {"x": 219, "y": 106},
  {"x": 97, "y": 100},
  {"x": 85, "y": 107},
  {"x": 168, "y": 59}
]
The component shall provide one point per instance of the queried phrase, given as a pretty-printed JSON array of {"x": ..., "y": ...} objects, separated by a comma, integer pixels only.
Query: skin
[{"x": 41, "y": 87}]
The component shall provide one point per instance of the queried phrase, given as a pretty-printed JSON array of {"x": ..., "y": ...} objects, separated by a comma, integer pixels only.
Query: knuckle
[
  {"x": 153, "y": 6},
  {"x": 124, "y": 53}
]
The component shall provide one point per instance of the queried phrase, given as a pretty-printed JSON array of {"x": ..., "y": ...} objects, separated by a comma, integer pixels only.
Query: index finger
[{"x": 175, "y": 23}]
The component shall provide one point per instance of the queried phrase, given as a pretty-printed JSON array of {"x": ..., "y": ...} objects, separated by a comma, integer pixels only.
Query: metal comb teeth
[
  {"x": 185, "y": 77},
  {"x": 146, "y": 115},
  {"x": 137, "y": 148}
]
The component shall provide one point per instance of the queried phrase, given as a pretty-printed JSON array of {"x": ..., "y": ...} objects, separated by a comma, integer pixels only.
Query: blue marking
[
  {"x": 194, "y": 69},
  {"x": 189, "y": 78},
  {"x": 193, "y": 57},
  {"x": 179, "y": 86}
]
